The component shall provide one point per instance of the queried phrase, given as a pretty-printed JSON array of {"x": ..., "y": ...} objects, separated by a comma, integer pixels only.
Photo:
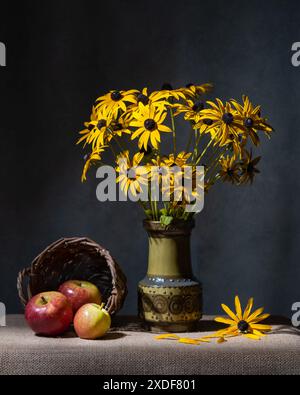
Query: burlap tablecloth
[{"x": 128, "y": 351}]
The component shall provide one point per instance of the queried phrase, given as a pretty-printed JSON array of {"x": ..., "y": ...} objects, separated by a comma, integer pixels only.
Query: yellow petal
[
  {"x": 156, "y": 135},
  {"x": 260, "y": 318},
  {"x": 164, "y": 128},
  {"x": 238, "y": 307},
  {"x": 225, "y": 320},
  {"x": 261, "y": 327},
  {"x": 136, "y": 124},
  {"x": 221, "y": 340},
  {"x": 204, "y": 339},
  {"x": 248, "y": 309},
  {"x": 255, "y": 314},
  {"x": 153, "y": 141},
  {"x": 143, "y": 141},
  {"x": 229, "y": 312},
  {"x": 221, "y": 333},
  {"x": 167, "y": 336},
  {"x": 137, "y": 133},
  {"x": 189, "y": 341},
  {"x": 132, "y": 189}
]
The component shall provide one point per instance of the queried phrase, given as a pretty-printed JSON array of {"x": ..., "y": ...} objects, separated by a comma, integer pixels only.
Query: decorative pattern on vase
[{"x": 170, "y": 304}]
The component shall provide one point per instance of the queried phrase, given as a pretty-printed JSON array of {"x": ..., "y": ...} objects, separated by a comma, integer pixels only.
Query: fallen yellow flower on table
[{"x": 243, "y": 323}]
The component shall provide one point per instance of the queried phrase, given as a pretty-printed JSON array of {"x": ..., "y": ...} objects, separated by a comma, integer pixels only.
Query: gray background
[{"x": 61, "y": 55}]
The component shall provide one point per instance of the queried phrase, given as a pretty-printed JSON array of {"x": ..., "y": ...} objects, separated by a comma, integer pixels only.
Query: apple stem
[{"x": 44, "y": 300}]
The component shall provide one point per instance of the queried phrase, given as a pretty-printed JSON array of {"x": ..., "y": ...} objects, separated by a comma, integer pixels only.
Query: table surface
[{"x": 127, "y": 350}]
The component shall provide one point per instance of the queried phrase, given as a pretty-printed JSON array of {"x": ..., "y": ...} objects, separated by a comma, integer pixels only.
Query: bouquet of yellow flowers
[{"x": 133, "y": 125}]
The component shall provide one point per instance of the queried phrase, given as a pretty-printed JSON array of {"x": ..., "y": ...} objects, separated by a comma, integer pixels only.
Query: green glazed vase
[{"x": 170, "y": 297}]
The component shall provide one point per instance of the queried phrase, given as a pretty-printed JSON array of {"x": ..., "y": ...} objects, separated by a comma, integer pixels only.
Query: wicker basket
[{"x": 78, "y": 259}]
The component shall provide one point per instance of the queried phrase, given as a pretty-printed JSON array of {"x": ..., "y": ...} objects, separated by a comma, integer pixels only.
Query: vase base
[{"x": 172, "y": 327}]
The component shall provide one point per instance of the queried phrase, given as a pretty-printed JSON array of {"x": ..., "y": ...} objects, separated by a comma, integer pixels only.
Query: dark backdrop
[{"x": 61, "y": 55}]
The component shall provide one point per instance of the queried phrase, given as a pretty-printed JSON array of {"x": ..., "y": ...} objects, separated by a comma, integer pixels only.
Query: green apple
[{"x": 92, "y": 321}]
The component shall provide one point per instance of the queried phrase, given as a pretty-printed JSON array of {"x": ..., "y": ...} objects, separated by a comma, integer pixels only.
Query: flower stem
[
  {"x": 173, "y": 131},
  {"x": 204, "y": 152},
  {"x": 189, "y": 141},
  {"x": 113, "y": 151},
  {"x": 116, "y": 140}
]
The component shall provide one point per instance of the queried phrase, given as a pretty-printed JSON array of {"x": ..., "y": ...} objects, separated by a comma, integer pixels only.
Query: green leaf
[
  {"x": 166, "y": 220},
  {"x": 148, "y": 213},
  {"x": 164, "y": 212}
]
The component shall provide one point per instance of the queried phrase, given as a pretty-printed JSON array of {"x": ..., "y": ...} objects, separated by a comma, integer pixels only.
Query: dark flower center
[
  {"x": 132, "y": 176},
  {"x": 150, "y": 124},
  {"x": 250, "y": 168},
  {"x": 118, "y": 126},
  {"x": 198, "y": 106},
  {"x": 208, "y": 122},
  {"x": 167, "y": 87},
  {"x": 227, "y": 118},
  {"x": 142, "y": 98},
  {"x": 243, "y": 326},
  {"x": 116, "y": 95},
  {"x": 248, "y": 122},
  {"x": 101, "y": 123}
]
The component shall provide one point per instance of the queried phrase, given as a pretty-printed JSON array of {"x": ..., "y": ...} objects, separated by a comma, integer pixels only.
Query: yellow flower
[
  {"x": 97, "y": 132},
  {"x": 120, "y": 126},
  {"x": 191, "y": 110},
  {"x": 157, "y": 99},
  {"x": 149, "y": 121},
  {"x": 194, "y": 91},
  {"x": 230, "y": 169},
  {"x": 253, "y": 121},
  {"x": 93, "y": 158},
  {"x": 88, "y": 127},
  {"x": 176, "y": 94},
  {"x": 132, "y": 176},
  {"x": 243, "y": 323},
  {"x": 116, "y": 100},
  {"x": 227, "y": 123}
]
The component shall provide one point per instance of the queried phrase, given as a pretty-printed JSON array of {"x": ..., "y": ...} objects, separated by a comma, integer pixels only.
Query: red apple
[
  {"x": 92, "y": 321},
  {"x": 80, "y": 293},
  {"x": 49, "y": 313}
]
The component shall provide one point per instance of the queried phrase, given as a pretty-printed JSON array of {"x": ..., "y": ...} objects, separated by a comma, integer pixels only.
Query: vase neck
[{"x": 169, "y": 251}]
